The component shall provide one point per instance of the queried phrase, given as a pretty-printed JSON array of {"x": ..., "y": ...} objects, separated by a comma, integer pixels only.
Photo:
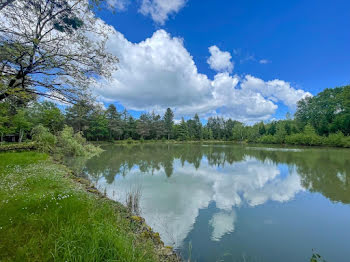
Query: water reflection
[{"x": 178, "y": 181}]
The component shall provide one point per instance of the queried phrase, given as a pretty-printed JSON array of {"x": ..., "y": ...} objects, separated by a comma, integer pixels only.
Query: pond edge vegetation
[
  {"x": 165, "y": 253},
  {"x": 322, "y": 120},
  {"x": 55, "y": 148},
  {"x": 145, "y": 238}
]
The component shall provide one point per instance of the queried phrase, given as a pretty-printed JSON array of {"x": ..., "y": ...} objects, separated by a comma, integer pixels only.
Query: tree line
[{"x": 320, "y": 120}]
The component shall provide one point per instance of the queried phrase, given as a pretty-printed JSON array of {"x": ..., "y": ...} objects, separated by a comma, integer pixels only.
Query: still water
[{"x": 235, "y": 203}]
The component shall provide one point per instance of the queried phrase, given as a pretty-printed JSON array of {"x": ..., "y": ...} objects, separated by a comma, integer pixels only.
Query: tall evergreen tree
[
  {"x": 183, "y": 130},
  {"x": 168, "y": 122},
  {"x": 144, "y": 126},
  {"x": 114, "y": 122},
  {"x": 77, "y": 116},
  {"x": 98, "y": 128},
  {"x": 157, "y": 126},
  {"x": 198, "y": 127}
]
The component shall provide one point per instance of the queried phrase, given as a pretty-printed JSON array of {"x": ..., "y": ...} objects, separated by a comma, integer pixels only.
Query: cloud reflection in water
[{"x": 171, "y": 205}]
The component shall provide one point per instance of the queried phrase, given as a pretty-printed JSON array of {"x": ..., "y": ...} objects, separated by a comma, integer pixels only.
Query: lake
[{"x": 233, "y": 202}]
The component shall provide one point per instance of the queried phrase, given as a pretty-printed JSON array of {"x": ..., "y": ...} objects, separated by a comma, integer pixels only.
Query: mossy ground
[{"x": 47, "y": 216}]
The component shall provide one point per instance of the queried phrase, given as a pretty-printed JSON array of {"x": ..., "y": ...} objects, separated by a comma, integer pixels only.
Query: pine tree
[
  {"x": 183, "y": 130},
  {"x": 114, "y": 122},
  {"x": 144, "y": 126},
  {"x": 198, "y": 127},
  {"x": 168, "y": 122}
]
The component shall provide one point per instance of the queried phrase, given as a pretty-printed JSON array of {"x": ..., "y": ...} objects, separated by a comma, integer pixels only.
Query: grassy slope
[{"x": 45, "y": 216}]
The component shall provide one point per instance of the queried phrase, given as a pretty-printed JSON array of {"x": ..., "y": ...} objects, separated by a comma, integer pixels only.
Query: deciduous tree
[{"x": 51, "y": 48}]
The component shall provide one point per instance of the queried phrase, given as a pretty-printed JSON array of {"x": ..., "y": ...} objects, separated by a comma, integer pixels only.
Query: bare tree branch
[{"x": 53, "y": 47}]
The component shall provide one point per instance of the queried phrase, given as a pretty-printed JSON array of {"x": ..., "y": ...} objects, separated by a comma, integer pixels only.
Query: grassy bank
[
  {"x": 46, "y": 215},
  {"x": 335, "y": 140},
  {"x": 17, "y": 146}
]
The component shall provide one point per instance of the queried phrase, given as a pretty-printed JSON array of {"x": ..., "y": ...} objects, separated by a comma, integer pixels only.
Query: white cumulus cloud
[
  {"x": 276, "y": 90},
  {"x": 159, "y": 72},
  {"x": 159, "y": 10},
  {"x": 241, "y": 104},
  {"x": 155, "y": 73},
  {"x": 220, "y": 60}
]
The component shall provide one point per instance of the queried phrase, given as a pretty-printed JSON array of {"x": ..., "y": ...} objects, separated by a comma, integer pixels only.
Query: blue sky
[{"x": 302, "y": 43}]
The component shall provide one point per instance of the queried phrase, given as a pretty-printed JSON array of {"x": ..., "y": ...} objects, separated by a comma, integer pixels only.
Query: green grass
[
  {"x": 17, "y": 146},
  {"x": 46, "y": 216}
]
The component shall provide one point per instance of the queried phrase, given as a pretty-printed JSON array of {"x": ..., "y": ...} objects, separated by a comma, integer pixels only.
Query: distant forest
[{"x": 320, "y": 120}]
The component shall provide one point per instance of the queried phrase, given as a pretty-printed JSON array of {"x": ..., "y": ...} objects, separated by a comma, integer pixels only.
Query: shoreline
[
  {"x": 143, "y": 229},
  {"x": 31, "y": 146},
  {"x": 174, "y": 142},
  {"x": 105, "y": 222}
]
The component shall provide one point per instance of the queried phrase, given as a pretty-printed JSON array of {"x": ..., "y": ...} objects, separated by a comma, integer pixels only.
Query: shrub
[
  {"x": 69, "y": 144},
  {"x": 267, "y": 139},
  {"x": 74, "y": 144},
  {"x": 45, "y": 141},
  {"x": 305, "y": 139},
  {"x": 346, "y": 141},
  {"x": 129, "y": 141},
  {"x": 336, "y": 139},
  {"x": 18, "y": 146}
]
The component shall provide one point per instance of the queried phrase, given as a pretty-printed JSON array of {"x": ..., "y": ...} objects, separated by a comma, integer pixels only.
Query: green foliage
[
  {"x": 20, "y": 123},
  {"x": 46, "y": 216},
  {"x": 45, "y": 141},
  {"x": 65, "y": 144},
  {"x": 252, "y": 133},
  {"x": 262, "y": 129},
  {"x": 144, "y": 126},
  {"x": 77, "y": 116},
  {"x": 267, "y": 139},
  {"x": 272, "y": 128},
  {"x": 168, "y": 122},
  {"x": 73, "y": 144},
  {"x": 18, "y": 146},
  {"x": 48, "y": 115},
  {"x": 238, "y": 132},
  {"x": 4, "y": 120},
  {"x": 336, "y": 139},
  {"x": 303, "y": 139},
  {"x": 97, "y": 124},
  {"x": 115, "y": 126},
  {"x": 280, "y": 134},
  {"x": 182, "y": 131},
  {"x": 327, "y": 112}
]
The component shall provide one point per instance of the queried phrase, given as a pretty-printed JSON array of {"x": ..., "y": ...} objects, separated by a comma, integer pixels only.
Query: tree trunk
[{"x": 21, "y": 133}]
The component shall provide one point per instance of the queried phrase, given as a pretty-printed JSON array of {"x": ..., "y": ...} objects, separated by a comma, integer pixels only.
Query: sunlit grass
[{"x": 45, "y": 216}]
